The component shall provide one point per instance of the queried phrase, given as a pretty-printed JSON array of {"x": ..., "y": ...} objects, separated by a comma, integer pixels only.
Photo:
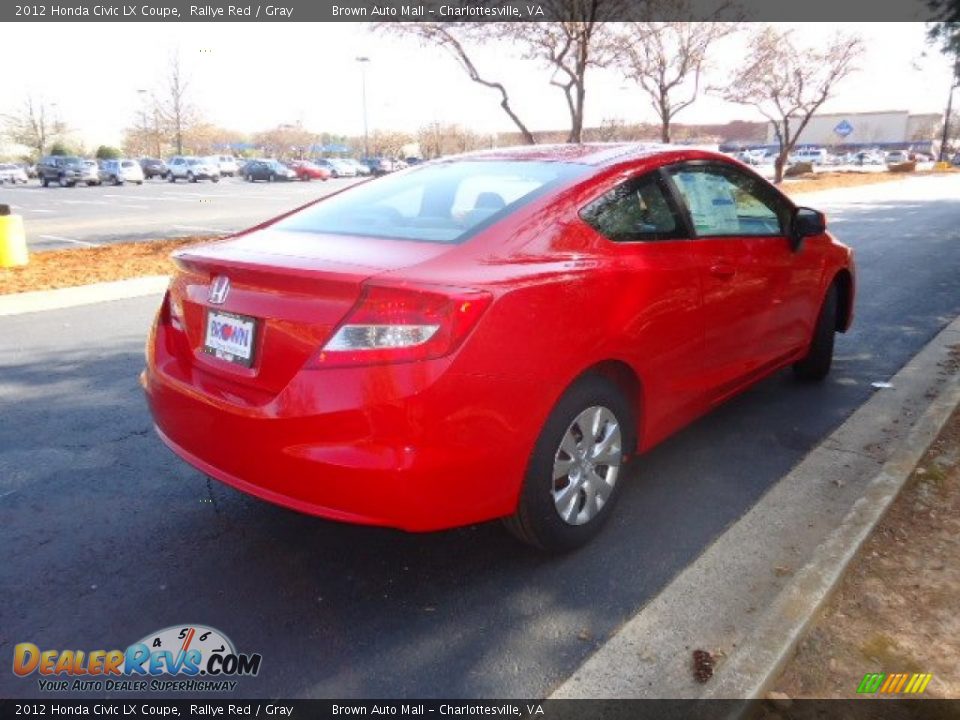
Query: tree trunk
[
  {"x": 778, "y": 166},
  {"x": 665, "y": 132}
]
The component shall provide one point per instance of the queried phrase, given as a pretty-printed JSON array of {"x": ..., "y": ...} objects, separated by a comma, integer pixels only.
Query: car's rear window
[{"x": 446, "y": 202}]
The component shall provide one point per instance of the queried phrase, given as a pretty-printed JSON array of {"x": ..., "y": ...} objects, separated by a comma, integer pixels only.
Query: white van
[{"x": 816, "y": 156}]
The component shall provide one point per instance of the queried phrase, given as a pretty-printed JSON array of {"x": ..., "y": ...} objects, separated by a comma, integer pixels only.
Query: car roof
[{"x": 595, "y": 154}]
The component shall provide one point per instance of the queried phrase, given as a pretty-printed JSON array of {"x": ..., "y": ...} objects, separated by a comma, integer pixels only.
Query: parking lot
[
  {"x": 108, "y": 536},
  {"x": 57, "y": 217}
]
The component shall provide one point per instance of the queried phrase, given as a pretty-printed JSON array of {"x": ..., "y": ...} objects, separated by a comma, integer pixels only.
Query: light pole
[
  {"x": 954, "y": 81},
  {"x": 364, "y": 61}
]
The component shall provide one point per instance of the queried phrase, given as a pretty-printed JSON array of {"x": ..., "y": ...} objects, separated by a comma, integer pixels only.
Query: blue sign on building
[{"x": 843, "y": 128}]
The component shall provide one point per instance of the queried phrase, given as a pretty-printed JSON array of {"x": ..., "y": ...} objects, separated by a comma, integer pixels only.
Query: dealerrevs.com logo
[{"x": 200, "y": 658}]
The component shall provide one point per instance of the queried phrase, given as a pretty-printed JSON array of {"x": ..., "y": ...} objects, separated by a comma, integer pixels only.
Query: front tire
[
  {"x": 815, "y": 366},
  {"x": 576, "y": 469}
]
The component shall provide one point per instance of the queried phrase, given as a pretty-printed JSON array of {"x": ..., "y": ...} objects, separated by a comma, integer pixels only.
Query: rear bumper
[{"x": 421, "y": 456}]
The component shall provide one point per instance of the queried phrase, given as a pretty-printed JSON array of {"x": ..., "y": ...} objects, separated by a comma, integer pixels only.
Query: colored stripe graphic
[{"x": 894, "y": 683}]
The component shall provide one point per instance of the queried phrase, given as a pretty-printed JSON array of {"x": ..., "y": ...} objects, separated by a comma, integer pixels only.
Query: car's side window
[
  {"x": 637, "y": 210},
  {"x": 724, "y": 201}
]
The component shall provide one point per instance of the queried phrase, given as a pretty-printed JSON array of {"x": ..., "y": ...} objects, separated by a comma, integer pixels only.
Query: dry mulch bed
[{"x": 79, "y": 266}]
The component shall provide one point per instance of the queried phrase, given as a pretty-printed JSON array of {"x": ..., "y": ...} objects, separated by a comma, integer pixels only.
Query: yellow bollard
[{"x": 13, "y": 240}]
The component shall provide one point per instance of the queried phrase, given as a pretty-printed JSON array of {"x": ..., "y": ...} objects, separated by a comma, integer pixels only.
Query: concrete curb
[
  {"x": 40, "y": 300},
  {"x": 733, "y": 600}
]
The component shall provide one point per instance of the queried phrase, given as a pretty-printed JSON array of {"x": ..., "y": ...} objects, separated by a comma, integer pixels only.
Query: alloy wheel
[{"x": 586, "y": 465}]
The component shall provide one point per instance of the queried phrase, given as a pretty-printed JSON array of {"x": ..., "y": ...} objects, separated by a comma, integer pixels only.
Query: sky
[{"x": 249, "y": 76}]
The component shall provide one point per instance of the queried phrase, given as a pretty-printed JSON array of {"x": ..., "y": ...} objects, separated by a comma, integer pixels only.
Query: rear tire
[
  {"x": 815, "y": 366},
  {"x": 171, "y": 177},
  {"x": 576, "y": 470}
]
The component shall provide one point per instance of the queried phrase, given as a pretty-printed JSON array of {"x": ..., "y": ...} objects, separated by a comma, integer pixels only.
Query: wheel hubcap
[{"x": 586, "y": 465}]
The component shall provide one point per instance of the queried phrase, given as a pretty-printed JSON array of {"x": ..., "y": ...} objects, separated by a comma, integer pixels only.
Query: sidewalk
[
  {"x": 751, "y": 597},
  {"x": 897, "y": 609}
]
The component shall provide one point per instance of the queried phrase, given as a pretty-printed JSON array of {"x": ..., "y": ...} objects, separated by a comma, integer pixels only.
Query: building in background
[{"x": 889, "y": 130}]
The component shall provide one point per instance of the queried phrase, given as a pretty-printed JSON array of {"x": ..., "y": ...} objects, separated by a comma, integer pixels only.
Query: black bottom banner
[{"x": 865, "y": 709}]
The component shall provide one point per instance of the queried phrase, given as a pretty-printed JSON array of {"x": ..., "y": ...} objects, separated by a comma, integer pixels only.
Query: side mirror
[{"x": 806, "y": 222}]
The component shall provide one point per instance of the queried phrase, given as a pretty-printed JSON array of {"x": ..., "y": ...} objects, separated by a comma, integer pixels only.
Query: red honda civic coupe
[{"x": 492, "y": 335}]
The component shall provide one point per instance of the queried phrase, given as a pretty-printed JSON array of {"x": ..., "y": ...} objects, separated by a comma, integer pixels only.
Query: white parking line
[
  {"x": 133, "y": 207},
  {"x": 85, "y": 202},
  {"x": 201, "y": 229},
  {"x": 60, "y": 238},
  {"x": 39, "y": 210}
]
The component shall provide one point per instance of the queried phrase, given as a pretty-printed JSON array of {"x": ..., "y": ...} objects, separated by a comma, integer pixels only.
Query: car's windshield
[{"x": 438, "y": 203}]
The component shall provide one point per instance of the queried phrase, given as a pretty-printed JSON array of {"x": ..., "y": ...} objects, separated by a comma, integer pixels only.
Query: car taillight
[{"x": 403, "y": 324}]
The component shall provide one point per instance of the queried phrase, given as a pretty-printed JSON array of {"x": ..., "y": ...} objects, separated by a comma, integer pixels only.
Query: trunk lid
[{"x": 296, "y": 286}]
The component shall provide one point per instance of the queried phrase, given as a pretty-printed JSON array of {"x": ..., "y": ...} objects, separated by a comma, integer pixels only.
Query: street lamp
[
  {"x": 364, "y": 61},
  {"x": 954, "y": 81}
]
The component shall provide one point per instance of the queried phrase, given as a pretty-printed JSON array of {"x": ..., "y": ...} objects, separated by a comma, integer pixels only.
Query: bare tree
[
  {"x": 455, "y": 37},
  {"x": 32, "y": 125},
  {"x": 667, "y": 59},
  {"x": 173, "y": 104},
  {"x": 567, "y": 49},
  {"x": 389, "y": 143},
  {"x": 436, "y": 139},
  {"x": 570, "y": 49},
  {"x": 788, "y": 84}
]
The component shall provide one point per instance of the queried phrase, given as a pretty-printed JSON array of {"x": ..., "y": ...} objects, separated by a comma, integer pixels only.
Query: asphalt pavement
[
  {"x": 56, "y": 217},
  {"x": 108, "y": 537}
]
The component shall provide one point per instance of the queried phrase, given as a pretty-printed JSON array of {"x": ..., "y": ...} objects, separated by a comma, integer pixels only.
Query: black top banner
[{"x": 466, "y": 11}]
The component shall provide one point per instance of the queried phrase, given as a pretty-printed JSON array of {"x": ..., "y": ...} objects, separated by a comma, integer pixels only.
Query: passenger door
[
  {"x": 659, "y": 322},
  {"x": 749, "y": 273}
]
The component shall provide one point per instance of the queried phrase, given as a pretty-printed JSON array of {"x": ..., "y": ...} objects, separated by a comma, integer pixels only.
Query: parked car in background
[
  {"x": 338, "y": 168},
  {"x": 897, "y": 156},
  {"x": 360, "y": 167},
  {"x": 120, "y": 171},
  {"x": 413, "y": 160},
  {"x": 348, "y": 360},
  {"x": 379, "y": 166},
  {"x": 814, "y": 156},
  {"x": 306, "y": 170},
  {"x": 152, "y": 167},
  {"x": 269, "y": 170},
  {"x": 91, "y": 172},
  {"x": 67, "y": 171},
  {"x": 228, "y": 164},
  {"x": 187, "y": 167},
  {"x": 13, "y": 174}
]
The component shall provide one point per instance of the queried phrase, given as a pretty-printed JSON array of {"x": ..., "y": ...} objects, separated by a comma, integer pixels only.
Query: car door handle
[{"x": 723, "y": 270}]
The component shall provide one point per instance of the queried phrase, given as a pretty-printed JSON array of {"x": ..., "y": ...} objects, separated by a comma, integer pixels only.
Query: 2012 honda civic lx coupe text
[{"x": 489, "y": 336}]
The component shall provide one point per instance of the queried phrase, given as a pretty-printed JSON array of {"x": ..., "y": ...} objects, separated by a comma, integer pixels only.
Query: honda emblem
[{"x": 219, "y": 289}]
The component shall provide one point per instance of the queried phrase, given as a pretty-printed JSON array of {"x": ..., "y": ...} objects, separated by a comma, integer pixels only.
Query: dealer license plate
[{"x": 230, "y": 337}]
